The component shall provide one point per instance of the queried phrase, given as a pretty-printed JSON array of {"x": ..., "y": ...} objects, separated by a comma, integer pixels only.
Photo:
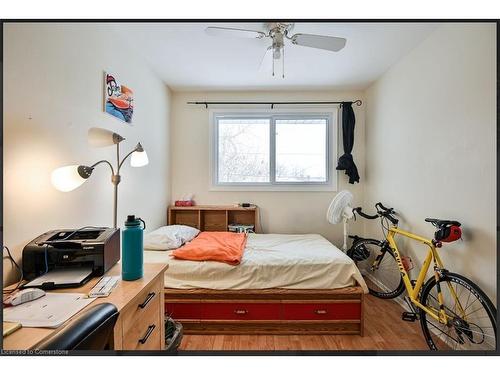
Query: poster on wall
[{"x": 118, "y": 99}]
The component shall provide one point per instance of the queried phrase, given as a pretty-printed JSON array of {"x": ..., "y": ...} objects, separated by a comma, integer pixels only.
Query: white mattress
[{"x": 306, "y": 261}]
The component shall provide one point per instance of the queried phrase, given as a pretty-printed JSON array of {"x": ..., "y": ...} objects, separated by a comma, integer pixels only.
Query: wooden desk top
[{"x": 27, "y": 337}]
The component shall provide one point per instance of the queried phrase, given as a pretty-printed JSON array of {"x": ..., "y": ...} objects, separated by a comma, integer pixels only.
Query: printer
[{"x": 93, "y": 250}]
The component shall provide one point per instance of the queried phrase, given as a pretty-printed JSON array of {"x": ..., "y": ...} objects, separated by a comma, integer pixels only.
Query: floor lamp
[{"x": 70, "y": 177}]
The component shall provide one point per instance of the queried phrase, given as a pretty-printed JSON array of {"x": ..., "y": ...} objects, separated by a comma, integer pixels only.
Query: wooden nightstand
[
  {"x": 139, "y": 302},
  {"x": 214, "y": 218}
]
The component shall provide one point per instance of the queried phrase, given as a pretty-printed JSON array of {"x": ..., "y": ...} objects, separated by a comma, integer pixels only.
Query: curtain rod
[{"x": 272, "y": 104}]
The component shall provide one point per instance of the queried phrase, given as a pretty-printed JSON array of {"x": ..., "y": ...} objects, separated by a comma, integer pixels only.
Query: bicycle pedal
[{"x": 408, "y": 316}]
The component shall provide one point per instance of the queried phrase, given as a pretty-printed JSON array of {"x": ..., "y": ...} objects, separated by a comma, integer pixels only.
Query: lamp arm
[
  {"x": 115, "y": 178},
  {"x": 104, "y": 161},
  {"x": 125, "y": 158}
]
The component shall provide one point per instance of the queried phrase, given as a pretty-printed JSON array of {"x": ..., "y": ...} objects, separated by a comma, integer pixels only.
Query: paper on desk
[
  {"x": 61, "y": 276},
  {"x": 49, "y": 311}
]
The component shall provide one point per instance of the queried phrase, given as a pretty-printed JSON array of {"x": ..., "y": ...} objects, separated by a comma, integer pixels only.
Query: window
[
  {"x": 301, "y": 150},
  {"x": 277, "y": 151},
  {"x": 243, "y": 149}
]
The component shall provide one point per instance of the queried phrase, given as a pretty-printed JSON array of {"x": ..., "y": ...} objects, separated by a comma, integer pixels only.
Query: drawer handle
[
  {"x": 320, "y": 312},
  {"x": 150, "y": 330},
  {"x": 240, "y": 312},
  {"x": 147, "y": 300}
]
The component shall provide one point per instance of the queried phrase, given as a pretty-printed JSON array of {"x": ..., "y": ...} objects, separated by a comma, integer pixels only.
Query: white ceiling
[{"x": 187, "y": 58}]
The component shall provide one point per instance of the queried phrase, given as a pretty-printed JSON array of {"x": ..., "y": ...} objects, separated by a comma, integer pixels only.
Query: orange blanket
[{"x": 224, "y": 247}]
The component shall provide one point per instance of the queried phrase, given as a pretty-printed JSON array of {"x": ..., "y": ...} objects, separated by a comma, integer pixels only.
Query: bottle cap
[{"x": 132, "y": 221}]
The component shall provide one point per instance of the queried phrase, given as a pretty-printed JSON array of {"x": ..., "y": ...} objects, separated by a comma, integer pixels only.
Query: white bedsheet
[{"x": 306, "y": 261}]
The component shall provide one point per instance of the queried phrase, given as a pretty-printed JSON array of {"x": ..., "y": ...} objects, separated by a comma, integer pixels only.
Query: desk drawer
[
  {"x": 240, "y": 311},
  {"x": 142, "y": 321},
  {"x": 321, "y": 311},
  {"x": 144, "y": 336}
]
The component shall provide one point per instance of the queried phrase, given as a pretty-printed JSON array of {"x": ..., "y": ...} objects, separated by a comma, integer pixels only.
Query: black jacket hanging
[{"x": 346, "y": 162}]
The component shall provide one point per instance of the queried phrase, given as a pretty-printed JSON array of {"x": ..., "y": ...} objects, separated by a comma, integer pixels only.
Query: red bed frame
[{"x": 267, "y": 311}]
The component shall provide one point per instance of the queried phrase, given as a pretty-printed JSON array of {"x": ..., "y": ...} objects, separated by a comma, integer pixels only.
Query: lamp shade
[
  {"x": 69, "y": 177},
  {"x": 139, "y": 159},
  {"x": 99, "y": 137}
]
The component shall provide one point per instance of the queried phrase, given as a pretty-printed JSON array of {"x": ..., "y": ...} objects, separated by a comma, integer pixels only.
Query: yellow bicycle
[{"x": 455, "y": 314}]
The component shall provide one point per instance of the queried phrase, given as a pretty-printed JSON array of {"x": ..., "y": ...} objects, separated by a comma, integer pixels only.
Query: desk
[{"x": 132, "y": 323}]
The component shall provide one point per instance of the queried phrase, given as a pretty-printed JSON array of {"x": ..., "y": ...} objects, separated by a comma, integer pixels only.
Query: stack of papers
[{"x": 49, "y": 311}]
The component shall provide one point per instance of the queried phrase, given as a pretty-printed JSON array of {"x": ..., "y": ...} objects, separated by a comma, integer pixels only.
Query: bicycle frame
[{"x": 413, "y": 291}]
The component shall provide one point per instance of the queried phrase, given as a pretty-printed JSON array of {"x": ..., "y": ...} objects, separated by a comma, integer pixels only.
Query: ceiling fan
[{"x": 279, "y": 32}]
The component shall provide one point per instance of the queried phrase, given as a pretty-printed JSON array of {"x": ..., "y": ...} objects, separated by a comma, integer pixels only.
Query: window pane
[
  {"x": 301, "y": 150},
  {"x": 243, "y": 150}
]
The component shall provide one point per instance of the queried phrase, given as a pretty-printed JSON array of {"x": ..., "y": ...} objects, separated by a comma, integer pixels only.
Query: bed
[{"x": 285, "y": 284}]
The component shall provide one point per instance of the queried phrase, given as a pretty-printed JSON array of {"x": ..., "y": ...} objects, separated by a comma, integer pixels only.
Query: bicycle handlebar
[
  {"x": 382, "y": 211},
  {"x": 383, "y": 208},
  {"x": 391, "y": 219},
  {"x": 366, "y": 216}
]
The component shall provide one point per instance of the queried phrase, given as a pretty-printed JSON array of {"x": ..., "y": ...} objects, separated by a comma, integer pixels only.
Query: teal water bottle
[{"x": 133, "y": 248}]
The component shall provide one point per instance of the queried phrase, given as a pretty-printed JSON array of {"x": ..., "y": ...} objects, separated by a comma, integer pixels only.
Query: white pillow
[
  {"x": 184, "y": 232},
  {"x": 169, "y": 237}
]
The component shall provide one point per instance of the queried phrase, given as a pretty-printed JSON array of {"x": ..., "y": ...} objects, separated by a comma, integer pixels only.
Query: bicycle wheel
[
  {"x": 384, "y": 281},
  {"x": 472, "y": 316}
]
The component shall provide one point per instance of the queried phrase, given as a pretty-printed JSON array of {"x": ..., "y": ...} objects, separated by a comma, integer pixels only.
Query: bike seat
[{"x": 442, "y": 223}]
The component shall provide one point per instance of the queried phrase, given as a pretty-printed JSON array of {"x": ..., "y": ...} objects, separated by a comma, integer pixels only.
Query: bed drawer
[
  {"x": 183, "y": 310},
  {"x": 321, "y": 311},
  {"x": 241, "y": 311}
]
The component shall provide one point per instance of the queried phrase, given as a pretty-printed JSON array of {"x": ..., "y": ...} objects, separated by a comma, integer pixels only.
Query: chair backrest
[{"x": 91, "y": 331}]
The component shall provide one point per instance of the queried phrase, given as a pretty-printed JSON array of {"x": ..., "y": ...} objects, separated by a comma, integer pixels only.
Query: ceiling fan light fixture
[
  {"x": 276, "y": 53},
  {"x": 278, "y": 32}
]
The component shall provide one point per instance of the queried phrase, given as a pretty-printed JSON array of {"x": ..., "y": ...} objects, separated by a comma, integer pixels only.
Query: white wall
[
  {"x": 53, "y": 93},
  {"x": 430, "y": 145},
  {"x": 281, "y": 212}
]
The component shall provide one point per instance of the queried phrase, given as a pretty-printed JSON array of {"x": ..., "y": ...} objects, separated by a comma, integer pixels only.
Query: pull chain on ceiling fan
[{"x": 279, "y": 32}]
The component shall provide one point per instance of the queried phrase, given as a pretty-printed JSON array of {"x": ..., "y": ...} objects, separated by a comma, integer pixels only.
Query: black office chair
[{"x": 91, "y": 331}]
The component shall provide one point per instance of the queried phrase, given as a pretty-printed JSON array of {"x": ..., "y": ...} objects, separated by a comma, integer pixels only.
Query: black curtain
[{"x": 346, "y": 162}]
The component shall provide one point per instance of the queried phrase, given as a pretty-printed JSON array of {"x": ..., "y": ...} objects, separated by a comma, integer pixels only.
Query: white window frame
[{"x": 275, "y": 114}]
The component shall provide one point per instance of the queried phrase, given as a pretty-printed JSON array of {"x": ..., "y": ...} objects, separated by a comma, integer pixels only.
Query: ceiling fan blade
[
  {"x": 267, "y": 59},
  {"x": 329, "y": 43},
  {"x": 228, "y": 31}
]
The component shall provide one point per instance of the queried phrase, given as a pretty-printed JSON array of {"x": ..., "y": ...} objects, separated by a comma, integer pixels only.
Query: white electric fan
[{"x": 340, "y": 210}]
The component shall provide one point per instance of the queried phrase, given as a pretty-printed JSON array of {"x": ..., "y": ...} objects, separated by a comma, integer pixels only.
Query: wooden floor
[{"x": 384, "y": 330}]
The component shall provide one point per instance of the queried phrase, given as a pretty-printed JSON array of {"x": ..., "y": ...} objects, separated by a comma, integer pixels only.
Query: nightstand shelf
[{"x": 213, "y": 218}]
